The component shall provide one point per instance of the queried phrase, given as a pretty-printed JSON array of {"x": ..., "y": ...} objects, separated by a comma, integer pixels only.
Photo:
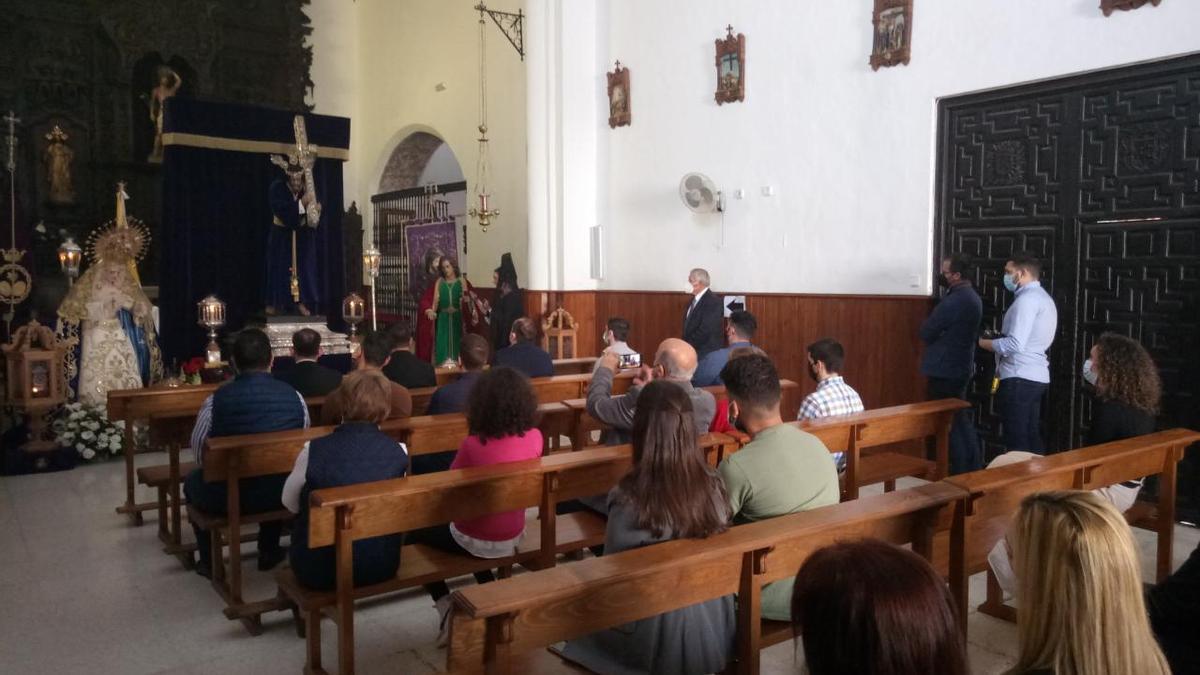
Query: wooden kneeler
[{"x": 995, "y": 495}]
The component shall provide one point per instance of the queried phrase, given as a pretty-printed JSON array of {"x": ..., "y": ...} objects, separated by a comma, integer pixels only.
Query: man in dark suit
[
  {"x": 404, "y": 368},
  {"x": 702, "y": 320},
  {"x": 307, "y": 376},
  {"x": 949, "y": 335},
  {"x": 524, "y": 354}
]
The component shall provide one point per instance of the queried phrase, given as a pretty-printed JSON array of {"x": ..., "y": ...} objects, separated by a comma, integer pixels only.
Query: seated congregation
[{"x": 851, "y": 594}]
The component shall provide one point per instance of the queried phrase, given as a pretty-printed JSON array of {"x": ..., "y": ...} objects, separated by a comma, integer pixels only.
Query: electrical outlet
[
  {"x": 768, "y": 191},
  {"x": 739, "y": 194}
]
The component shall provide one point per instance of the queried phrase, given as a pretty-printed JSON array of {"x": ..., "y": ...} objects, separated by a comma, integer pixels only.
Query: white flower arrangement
[{"x": 89, "y": 431}]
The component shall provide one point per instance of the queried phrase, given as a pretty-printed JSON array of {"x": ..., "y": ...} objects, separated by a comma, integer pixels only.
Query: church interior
[{"x": 524, "y": 336}]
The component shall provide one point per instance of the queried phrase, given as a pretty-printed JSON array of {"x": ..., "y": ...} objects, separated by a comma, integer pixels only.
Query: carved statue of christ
[{"x": 292, "y": 242}]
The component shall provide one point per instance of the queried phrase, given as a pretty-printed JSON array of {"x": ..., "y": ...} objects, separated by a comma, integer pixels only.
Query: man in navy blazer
[
  {"x": 523, "y": 353},
  {"x": 949, "y": 334},
  {"x": 703, "y": 317}
]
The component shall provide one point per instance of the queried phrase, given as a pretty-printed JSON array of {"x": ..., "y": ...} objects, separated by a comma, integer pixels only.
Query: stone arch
[{"x": 409, "y": 159}]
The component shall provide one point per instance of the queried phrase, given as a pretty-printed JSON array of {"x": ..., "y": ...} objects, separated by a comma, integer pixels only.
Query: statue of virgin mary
[{"x": 111, "y": 314}]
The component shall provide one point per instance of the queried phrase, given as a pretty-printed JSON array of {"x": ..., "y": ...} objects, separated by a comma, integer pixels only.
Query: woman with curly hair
[
  {"x": 501, "y": 413},
  {"x": 1127, "y": 389}
]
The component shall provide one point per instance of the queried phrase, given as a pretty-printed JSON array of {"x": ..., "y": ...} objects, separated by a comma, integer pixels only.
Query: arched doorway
[{"x": 421, "y": 184}]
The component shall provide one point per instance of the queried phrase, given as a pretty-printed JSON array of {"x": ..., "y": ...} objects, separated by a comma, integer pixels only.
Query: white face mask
[
  {"x": 1089, "y": 374},
  {"x": 690, "y": 289}
]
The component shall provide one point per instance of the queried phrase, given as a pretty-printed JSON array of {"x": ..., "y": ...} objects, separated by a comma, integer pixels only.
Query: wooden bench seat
[
  {"x": 341, "y": 516},
  {"x": 495, "y": 626},
  {"x": 995, "y": 495},
  {"x": 421, "y": 564}
]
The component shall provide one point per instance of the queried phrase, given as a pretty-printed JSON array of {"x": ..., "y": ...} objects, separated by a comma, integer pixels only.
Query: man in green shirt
[{"x": 781, "y": 470}]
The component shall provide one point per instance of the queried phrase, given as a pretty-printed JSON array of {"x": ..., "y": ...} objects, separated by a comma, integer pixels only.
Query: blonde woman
[{"x": 1081, "y": 609}]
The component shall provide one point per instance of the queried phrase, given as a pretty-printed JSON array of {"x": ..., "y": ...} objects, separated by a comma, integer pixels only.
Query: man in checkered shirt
[{"x": 833, "y": 396}]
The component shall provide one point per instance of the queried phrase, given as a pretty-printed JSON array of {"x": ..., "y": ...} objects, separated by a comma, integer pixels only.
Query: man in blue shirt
[
  {"x": 949, "y": 334},
  {"x": 1022, "y": 364},
  {"x": 523, "y": 352},
  {"x": 739, "y": 331}
]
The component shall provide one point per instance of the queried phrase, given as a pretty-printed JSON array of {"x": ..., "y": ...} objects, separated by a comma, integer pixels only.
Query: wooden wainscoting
[{"x": 879, "y": 332}]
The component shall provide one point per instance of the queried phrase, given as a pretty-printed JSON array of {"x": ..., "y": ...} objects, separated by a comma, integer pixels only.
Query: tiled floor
[{"x": 81, "y": 591}]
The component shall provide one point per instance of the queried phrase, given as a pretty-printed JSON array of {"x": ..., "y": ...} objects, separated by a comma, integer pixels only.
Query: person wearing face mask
[
  {"x": 782, "y": 469},
  {"x": 833, "y": 396},
  {"x": 1127, "y": 388},
  {"x": 1023, "y": 366},
  {"x": 948, "y": 363},
  {"x": 704, "y": 315},
  {"x": 616, "y": 332}
]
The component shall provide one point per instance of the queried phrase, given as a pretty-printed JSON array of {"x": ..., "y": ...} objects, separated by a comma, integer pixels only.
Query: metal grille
[{"x": 394, "y": 212}]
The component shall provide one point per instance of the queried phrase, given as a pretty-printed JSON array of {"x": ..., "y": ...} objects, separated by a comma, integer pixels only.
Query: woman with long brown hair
[
  {"x": 670, "y": 493},
  {"x": 1079, "y": 583},
  {"x": 871, "y": 607}
]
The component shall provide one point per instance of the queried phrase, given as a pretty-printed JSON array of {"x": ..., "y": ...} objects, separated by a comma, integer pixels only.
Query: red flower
[{"x": 193, "y": 366}]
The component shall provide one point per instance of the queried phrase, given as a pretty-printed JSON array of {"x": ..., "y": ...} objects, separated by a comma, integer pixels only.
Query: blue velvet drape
[{"x": 216, "y": 216}]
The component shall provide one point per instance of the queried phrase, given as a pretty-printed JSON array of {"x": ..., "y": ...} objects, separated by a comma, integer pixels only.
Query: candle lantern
[
  {"x": 354, "y": 310},
  {"x": 69, "y": 257},
  {"x": 371, "y": 262},
  {"x": 212, "y": 317},
  {"x": 35, "y": 383}
]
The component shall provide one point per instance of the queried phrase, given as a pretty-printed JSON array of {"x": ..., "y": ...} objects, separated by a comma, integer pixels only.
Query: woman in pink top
[{"x": 501, "y": 412}]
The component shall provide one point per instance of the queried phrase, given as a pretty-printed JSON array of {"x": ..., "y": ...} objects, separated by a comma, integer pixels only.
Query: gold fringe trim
[{"x": 240, "y": 145}]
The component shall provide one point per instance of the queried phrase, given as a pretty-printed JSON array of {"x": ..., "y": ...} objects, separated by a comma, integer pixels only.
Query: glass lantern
[
  {"x": 354, "y": 310},
  {"x": 69, "y": 257},
  {"x": 211, "y": 312}
]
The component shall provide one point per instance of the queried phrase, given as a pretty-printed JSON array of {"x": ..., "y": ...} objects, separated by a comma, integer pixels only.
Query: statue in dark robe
[{"x": 292, "y": 242}]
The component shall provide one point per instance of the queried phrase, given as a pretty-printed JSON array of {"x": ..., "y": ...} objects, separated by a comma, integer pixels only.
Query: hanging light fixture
[
  {"x": 69, "y": 256},
  {"x": 483, "y": 210}
]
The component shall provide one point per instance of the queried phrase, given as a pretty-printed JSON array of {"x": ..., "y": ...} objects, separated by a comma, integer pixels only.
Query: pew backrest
[
  {"x": 995, "y": 494},
  {"x": 494, "y": 622}
]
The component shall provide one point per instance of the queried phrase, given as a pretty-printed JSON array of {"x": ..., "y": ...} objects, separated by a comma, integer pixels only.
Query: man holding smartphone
[{"x": 616, "y": 332}]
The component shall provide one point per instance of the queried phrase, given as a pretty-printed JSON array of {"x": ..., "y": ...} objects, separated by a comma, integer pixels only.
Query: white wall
[
  {"x": 334, "y": 41},
  {"x": 406, "y": 49},
  {"x": 849, "y": 152}
]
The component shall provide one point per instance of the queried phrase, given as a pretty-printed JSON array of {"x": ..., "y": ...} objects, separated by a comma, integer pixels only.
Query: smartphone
[{"x": 633, "y": 360}]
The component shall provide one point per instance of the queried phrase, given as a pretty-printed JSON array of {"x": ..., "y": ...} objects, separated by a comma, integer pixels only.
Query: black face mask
[
  {"x": 812, "y": 372},
  {"x": 735, "y": 422},
  {"x": 942, "y": 281}
]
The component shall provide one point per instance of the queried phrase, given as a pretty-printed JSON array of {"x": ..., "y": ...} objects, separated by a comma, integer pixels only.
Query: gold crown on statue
[
  {"x": 122, "y": 238},
  {"x": 12, "y": 255}
]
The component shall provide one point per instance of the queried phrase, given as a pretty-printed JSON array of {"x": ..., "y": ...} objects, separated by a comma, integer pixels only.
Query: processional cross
[{"x": 305, "y": 157}]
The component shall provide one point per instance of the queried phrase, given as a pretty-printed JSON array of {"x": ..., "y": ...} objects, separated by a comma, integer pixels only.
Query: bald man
[{"x": 675, "y": 361}]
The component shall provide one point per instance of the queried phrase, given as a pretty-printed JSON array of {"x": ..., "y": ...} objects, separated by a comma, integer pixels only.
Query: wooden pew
[
  {"x": 893, "y": 424},
  {"x": 169, "y": 403},
  {"x": 136, "y": 405},
  {"x": 231, "y": 458},
  {"x": 340, "y": 516},
  {"x": 852, "y": 434},
  {"x": 584, "y": 424},
  {"x": 576, "y": 366},
  {"x": 995, "y": 494},
  {"x": 171, "y": 430},
  {"x": 494, "y": 627}
]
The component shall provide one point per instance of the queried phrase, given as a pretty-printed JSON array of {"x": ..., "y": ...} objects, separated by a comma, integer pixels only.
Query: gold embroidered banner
[{"x": 243, "y": 145}]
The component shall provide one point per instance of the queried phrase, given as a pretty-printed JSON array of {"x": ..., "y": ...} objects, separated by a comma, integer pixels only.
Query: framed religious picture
[
  {"x": 1107, "y": 6},
  {"x": 618, "y": 97},
  {"x": 893, "y": 33},
  {"x": 731, "y": 67}
]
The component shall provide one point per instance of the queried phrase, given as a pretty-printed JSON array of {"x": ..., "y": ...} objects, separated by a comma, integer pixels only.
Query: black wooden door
[{"x": 1099, "y": 175}]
